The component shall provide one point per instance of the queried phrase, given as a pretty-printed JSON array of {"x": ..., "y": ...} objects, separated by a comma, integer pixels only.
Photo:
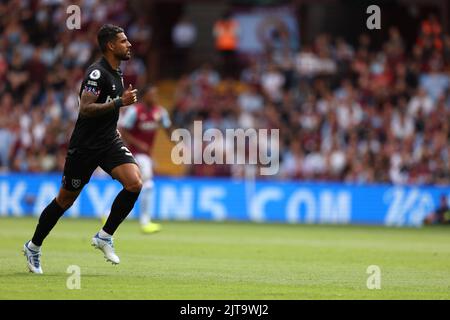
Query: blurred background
[{"x": 353, "y": 105}]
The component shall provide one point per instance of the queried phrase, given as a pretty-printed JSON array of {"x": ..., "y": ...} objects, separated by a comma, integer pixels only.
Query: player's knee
[
  {"x": 134, "y": 185},
  {"x": 65, "y": 202}
]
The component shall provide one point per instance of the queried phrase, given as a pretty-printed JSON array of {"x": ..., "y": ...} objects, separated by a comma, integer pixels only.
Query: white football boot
[
  {"x": 107, "y": 246},
  {"x": 33, "y": 259}
]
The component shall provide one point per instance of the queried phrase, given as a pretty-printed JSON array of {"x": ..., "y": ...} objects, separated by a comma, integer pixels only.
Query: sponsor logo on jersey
[
  {"x": 109, "y": 99},
  {"x": 148, "y": 125}
]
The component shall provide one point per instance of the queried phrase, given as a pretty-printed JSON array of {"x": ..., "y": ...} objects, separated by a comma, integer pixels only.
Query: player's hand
[{"x": 129, "y": 96}]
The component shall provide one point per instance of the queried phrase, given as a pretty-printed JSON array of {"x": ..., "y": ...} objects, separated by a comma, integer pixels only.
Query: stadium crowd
[
  {"x": 345, "y": 113},
  {"x": 41, "y": 68}
]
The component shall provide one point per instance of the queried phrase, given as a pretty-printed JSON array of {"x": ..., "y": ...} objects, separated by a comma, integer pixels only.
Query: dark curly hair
[{"x": 106, "y": 34}]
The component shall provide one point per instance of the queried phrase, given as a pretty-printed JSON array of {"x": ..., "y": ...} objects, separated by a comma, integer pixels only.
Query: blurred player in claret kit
[
  {"x": 96, "y": 142},
  {"x": 138, "y": 127}
]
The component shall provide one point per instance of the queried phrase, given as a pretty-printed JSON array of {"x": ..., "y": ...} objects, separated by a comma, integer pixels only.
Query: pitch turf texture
[{"x": 206, "y": 260}]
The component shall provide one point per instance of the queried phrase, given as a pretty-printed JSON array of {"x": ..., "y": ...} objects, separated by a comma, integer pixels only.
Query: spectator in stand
[
  {"x": 140, "y": 33},
  {"x": 369, "y": 128},
  {"x": 430, "y": 33},
  {"x": 41, "y": 65},
  {"x": 226, "y": 33},
  {"x": 184, "y": 35}
]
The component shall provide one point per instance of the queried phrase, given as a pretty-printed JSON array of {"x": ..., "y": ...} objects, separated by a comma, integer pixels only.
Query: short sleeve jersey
[{"x": 98, "y": 132}]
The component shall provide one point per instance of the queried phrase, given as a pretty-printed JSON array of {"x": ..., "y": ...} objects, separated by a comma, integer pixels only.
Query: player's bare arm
[
  {"x": 89, "y": 107},
  {"x": 164, "y": 120}
]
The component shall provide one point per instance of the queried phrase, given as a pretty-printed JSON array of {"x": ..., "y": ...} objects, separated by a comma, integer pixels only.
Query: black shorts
[{"x": 81, "y": 163}]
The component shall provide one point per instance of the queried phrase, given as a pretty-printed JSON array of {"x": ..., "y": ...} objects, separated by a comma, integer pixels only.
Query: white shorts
[{"x": 146, "y": 165}]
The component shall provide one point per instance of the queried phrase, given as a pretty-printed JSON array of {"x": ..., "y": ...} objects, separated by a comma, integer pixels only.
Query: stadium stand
[{"x": 346, "y": 112}]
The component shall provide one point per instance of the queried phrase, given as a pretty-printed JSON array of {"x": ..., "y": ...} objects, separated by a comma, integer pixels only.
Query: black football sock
[
  {"x": 47, "y": 221},
  {"x": 120, "y": 209}
]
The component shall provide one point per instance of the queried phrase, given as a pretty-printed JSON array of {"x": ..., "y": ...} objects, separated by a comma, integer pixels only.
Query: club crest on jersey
[
  {"x": 76, "y": 183},
  {"x": 95, "y": 74}
]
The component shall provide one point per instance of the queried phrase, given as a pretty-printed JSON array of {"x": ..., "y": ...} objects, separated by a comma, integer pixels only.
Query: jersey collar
[{"x": 106, "y": 64}]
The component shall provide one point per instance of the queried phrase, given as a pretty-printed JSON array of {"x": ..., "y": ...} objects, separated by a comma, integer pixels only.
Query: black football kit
[{"x": 95, "y": 141}]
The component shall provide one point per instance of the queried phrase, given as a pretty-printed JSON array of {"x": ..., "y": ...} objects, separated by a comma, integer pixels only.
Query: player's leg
[
  {"x": 52, "y": 213},
  {"x": 145, "y": 165},
  {"x": 77, "y": 171},
  {"x": 121, "y": 165},
  {"x": 129, "y": 176},
  {"x": 47, "y": 220}
]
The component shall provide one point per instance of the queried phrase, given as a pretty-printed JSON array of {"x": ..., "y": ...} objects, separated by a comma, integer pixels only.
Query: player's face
[
  {"x": 122, "y": 47},
  {"x": 151, "y": 96}
]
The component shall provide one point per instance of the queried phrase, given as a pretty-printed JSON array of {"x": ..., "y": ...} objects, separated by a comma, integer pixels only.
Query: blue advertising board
[{"x": 227, "y": 199}]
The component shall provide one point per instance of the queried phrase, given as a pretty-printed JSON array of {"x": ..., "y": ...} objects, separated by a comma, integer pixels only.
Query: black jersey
[{"x": 98, "y": 132}]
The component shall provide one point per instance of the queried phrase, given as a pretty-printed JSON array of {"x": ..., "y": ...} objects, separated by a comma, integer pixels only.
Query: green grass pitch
[{"x": 208, "y": 260}]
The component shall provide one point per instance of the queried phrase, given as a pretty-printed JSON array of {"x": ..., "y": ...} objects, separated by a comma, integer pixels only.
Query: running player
[
  {"x": 95, "y": 142},
  {"x": 138, "y": 128}
]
